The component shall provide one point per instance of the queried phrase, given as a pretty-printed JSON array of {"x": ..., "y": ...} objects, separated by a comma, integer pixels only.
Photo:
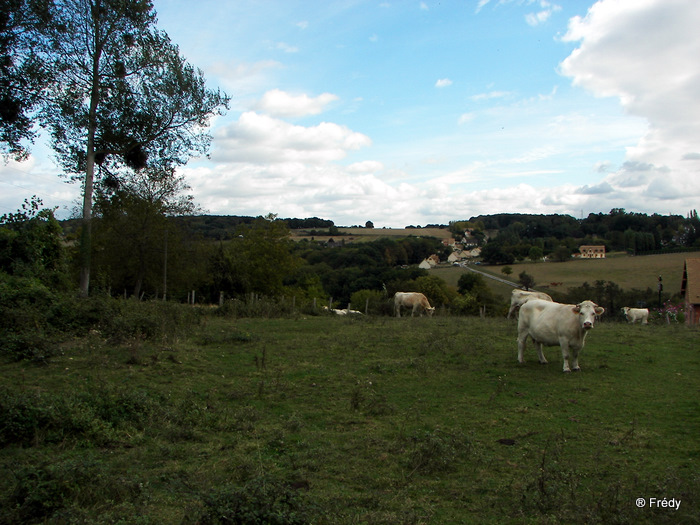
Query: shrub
[
  {"x": 259, "y": 501},
  {"x": 435, "y": 451},
  {"x": 97, "y": 417},
  {"x": 25, "y": 331},
  {"x": 54, "y": 493},
  {"x": 373, "y": 299},
  {"x": 257, "y": 306}
]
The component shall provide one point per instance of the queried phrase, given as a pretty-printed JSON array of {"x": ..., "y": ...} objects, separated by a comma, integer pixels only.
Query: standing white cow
[
  {"x": 552, "y": 324},
  {"x": 520, "y": 297},
  {"x": 636, "y": 314},
  {"x": 414, "y": 300}
]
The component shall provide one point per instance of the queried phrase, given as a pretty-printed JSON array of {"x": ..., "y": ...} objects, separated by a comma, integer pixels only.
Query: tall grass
[{"x": 320, "y": 419}]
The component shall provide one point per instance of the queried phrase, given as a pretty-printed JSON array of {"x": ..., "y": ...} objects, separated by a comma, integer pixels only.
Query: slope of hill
[{"x": 640, "y": 272}]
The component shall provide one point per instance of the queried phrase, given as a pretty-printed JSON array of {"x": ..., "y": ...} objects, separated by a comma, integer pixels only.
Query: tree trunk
[{"x": 86, "y": 235}]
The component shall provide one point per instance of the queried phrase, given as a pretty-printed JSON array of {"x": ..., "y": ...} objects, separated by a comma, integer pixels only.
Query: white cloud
[
  {"x": 278, "y": 103},
  {"x": 490, "y": 95},
  {"x": 443, "y": 82},
  {"x": 466, "y": 117},
  {"x": 547, "y": 9},
  {"x": 645, "y": 53},
  {"x": 424, "y": 6},
  {"x": 366, "y": 166},
  {"x": 36, "y": 176},
  {"x": 287, "y": 48},
  {"x": 261, "y": 139}
]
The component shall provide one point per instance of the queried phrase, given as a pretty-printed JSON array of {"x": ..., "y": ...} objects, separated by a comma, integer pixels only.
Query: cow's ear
[
  {"x": 577, "y": 309},
  {"x": 599, "y": 310}
]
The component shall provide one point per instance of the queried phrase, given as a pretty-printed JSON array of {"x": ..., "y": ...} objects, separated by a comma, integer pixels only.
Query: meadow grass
[
  {"x": 628, "y": 272},
  {"x": 318, "y": 419}
]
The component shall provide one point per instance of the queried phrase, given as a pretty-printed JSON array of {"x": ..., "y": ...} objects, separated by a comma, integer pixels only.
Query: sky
[{"x": 407, "y": 112}]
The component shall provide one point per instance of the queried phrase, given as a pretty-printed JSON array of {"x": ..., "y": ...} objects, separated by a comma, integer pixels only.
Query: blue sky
[{"x": 409, "y": 112}]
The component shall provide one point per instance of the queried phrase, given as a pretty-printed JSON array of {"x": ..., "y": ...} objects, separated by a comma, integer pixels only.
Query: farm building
[
  {"x": 430, "y": 262},
  {"x": 592, "y": 252},
  {"x": 690, "y": 290}
]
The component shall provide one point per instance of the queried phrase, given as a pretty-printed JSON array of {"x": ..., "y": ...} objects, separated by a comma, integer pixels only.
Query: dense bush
[
  {"x": 34, "y": 320},
  {"x": 260, "y": 501}
]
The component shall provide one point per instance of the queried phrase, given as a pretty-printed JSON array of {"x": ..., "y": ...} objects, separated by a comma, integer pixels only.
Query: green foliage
[
  {"x": 435, "y": 289},
  {"x": 532, "y": 236},
  {"x": 372, "y": 265},
  {"x": 25, "y": 318},
  {"x": 31, "y": 244},
  {"x": 135, "y": 242},
  {"x": 526, "y": 280},
  {"x": 253, "y": 305},
  {"x": 436, "y": 451},
  {"x": 377, "y": 302},
  {"x": 561, "y": 254},
  {"x": 24, "y": 76},
  {"x": 34, "y": 320},
  {"x": 261, "y": 500},
  {"x": 535, "y": 253},
  {"x": 258, "y": 261},
  {"x": 475, "y": 295}
]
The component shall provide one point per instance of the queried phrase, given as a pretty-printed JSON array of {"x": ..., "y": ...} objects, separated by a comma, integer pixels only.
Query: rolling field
[
  {"x": 628, "y": 272},
  {"x": 318, "y": 419},
  {"x": 372, "y": 234}
]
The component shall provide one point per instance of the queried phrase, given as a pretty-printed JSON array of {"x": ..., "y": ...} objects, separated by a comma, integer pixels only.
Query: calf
[
  {"x": 551, "y": 324},
  {"x": 636, "y": 314}
]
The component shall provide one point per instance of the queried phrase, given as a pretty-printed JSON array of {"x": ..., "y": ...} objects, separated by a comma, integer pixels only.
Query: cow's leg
[
  {"x": 413, "y": 312},
  {"x": 540, "y": 353},
  {"x": 522, "y": 341},
  {"x": 510, "y": 312},
  {"x": 397, "y": 310},
  {"x": 565, "y": 354},
  {"x": 574, "y": 359},
  {"x": 521, "y": 348}
]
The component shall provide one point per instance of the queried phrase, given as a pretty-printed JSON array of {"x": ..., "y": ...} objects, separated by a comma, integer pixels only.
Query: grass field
[
  {"x": 640, "y": 272},
  {"x": 365, "y": 420},
  {"x": 372, "y": 234}
]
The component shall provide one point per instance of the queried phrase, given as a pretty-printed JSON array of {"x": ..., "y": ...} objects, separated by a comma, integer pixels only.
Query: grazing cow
[
  {"x": 520, "y": 297},
  {"x": 636, "y": 314},
  {"x": 414, "y": 300},
  {"x": 552, "y": 324}
]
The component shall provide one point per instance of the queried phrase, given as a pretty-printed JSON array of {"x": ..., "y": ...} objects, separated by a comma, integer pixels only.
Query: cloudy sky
[{"x": 409, "y": 112}]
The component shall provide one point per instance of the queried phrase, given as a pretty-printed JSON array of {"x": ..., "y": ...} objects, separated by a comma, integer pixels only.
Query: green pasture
[
  {"x": 318, "y": 419},
  {"x": 626, "y": 271}
]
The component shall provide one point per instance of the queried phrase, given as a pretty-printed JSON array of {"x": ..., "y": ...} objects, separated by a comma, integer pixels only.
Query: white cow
[
  {"x": 552, "y": 324},
  {"x": 520, "y": 297},
  {"x": 414, "y": 300},
  {"x": 335, "y": 311},
  {"x": 636, "y": 314},
  {"x": 345, "y": 311}
]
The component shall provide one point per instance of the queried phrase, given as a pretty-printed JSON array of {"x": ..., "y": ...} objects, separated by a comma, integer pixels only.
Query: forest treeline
[{"x": 140, "y": 252}]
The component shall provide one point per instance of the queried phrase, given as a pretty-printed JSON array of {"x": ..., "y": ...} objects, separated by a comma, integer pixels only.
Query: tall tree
[
  {"x": 123, "y": 99},
  {"x": 133, "y": 231}
]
